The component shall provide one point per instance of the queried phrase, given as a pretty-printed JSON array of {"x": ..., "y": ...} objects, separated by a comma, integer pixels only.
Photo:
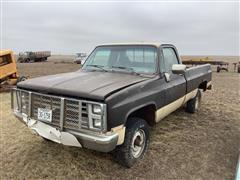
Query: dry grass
[{"x": 204, "y": 145}]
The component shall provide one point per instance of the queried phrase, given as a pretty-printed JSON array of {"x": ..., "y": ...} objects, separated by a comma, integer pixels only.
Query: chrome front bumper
[{"x": 99, "y": 142}]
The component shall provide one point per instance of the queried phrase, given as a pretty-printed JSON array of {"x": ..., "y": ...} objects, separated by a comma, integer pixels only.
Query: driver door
[{"x": 175, "y": 85}]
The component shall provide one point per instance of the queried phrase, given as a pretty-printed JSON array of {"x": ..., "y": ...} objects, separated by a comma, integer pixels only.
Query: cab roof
[{"x": 156, "y": 44}]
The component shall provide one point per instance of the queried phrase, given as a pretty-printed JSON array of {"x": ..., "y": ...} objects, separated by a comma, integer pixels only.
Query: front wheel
[{"x": 135, "y": 144}]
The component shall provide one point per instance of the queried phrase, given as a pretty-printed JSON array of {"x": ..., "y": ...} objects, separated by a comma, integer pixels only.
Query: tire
[
  {"x": 194, "y": 104},
  {"x": 137, "y": 131}
]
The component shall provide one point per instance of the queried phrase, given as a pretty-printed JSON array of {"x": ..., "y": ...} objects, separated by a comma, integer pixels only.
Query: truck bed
[
  {"x": 41, "y": 54},
  {"x": 197, "y": 75}
]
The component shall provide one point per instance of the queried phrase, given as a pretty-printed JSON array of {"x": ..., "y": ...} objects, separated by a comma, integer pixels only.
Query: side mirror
[
  {"x": 179, "y": 68},
  {"x": 167, "y": 77}
]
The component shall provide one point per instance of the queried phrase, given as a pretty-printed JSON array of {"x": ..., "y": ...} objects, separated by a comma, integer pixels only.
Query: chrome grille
[
  {"x": 47, "y": 102},
  {"x": 67, "y": 113},
  {"x": 72, "y": 114},
  {"x": 75, "y": 116}
]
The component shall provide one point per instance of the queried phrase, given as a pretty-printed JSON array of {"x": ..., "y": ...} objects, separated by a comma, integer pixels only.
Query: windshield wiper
[
  {"x": 97, "y": 66},
  {"x": 125, "y": 68}
]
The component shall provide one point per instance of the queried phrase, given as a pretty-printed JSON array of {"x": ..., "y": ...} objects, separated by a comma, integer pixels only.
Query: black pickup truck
[{"x": 109, "y": 104}]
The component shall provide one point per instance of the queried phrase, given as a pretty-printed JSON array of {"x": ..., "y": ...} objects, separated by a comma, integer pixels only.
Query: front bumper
[{"x": 99, "y": 142}]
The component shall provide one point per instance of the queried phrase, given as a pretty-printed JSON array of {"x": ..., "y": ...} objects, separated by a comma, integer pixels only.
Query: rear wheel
[
  {"x": 135, "y": 143},
  {"x": 194, "y": 104}
]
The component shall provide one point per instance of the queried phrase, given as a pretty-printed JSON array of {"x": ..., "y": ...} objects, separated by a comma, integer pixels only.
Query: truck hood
[{"x": 84, "y": 84}]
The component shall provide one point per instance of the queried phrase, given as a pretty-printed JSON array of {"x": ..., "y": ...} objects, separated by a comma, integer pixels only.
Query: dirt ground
[{"x": 204, "y": 145}]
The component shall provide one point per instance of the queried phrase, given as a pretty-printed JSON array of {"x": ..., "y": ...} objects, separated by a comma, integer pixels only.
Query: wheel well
[
  {"x": 147, "y": 113},
  {"x": 203, "y": 86}
]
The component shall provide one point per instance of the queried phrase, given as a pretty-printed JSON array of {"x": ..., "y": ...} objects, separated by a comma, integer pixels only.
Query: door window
[
  {"x": 6, "y": 59},
  {"x": 170, "y": 58}
]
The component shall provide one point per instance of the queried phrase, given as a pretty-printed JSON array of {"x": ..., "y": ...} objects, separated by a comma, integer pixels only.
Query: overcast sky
[{"x": 66, "y": 28}]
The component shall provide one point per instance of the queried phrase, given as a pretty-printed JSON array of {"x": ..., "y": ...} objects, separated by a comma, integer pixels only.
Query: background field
[
  {"x": 204, "y": 145},
  {"x": 64, "y": 63}
]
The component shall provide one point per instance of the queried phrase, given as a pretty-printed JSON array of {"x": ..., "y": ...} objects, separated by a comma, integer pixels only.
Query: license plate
[{"x": 45, "y": 114}]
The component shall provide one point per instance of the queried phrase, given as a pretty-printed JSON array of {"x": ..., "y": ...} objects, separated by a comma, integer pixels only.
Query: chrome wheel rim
[{"x": 138, "y": 143}]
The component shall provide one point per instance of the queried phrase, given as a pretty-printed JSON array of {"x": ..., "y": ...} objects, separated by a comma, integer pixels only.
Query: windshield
[{"x": 139, "y": 59}]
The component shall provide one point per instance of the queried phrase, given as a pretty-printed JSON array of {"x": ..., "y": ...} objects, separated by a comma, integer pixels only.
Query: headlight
[
  {"x": 97, "y": 116},
  {"x": 20, "y": 101},
  {"x": 97, "y": 123},
  {"x": 25, "y": 101},
  {"x": 15, "y": 100},
  {"x": 97, "y": 109}
]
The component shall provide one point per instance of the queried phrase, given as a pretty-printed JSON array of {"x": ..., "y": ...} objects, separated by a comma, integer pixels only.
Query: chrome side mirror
[{"x": 179, "y": 68}]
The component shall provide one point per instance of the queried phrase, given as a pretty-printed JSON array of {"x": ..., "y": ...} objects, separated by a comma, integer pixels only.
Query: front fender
[
  {"x": 123, "y": 103},
  {"x": 137, "y": 108}
]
